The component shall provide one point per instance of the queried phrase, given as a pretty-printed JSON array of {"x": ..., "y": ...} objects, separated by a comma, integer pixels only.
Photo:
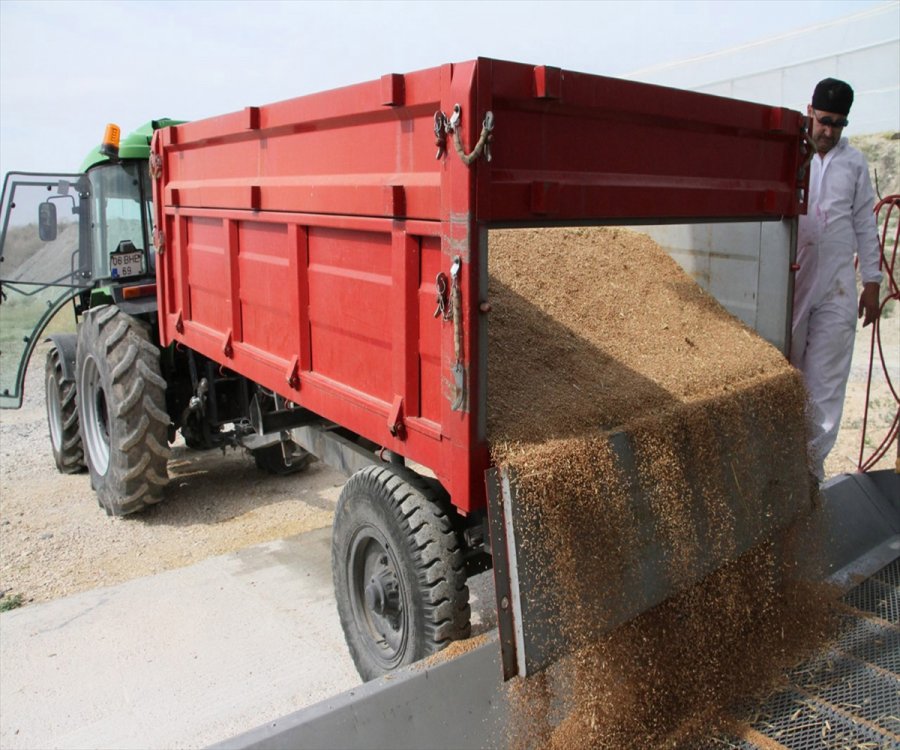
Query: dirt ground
[{"x": 55, "y": 540}]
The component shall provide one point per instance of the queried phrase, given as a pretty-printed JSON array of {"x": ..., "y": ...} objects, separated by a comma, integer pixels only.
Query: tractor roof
[{"x": 135, "y": 145}]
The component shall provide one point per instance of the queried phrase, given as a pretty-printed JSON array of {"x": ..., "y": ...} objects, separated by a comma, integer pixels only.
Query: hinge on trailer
[
  {"x": 395, "y": 418},
  {"x": 227, "y": 346},
  {"x": 292, "y": 376}
]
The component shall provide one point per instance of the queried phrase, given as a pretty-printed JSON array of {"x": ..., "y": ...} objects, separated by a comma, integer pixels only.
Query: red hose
[{"x": 890, "y": 208}]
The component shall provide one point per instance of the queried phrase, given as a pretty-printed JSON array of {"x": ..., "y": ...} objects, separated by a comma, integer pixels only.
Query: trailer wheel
[
  {"x": 121, "y": 406},
  {"x": 62, "y": 416},
  {"x": 398, "y": 570},
  {"x": 271, "y": 460}
]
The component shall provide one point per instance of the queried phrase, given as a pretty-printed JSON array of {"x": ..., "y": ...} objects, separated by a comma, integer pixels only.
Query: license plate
[{"x": 123, "y": 265}]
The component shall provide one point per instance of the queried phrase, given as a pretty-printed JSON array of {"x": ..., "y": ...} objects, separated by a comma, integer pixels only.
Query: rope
[
  {"x": 444, "y": 125},
  {"x": 481, "y": 146}
]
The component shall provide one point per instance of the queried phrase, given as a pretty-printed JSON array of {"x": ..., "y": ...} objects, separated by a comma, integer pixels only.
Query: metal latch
[
  {"x": 444, "y": 306},
  {"x": 443, "y": 126}
]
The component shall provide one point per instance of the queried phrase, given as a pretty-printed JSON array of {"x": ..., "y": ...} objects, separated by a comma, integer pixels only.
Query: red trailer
[
  {"x": 309, "y": 244},
  {"x": 331, "y": 251}
]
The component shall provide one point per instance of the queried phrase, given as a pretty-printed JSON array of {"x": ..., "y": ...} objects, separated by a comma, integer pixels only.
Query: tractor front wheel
[
  {"x": 62, "y": 416},
  {"x": 398, "y": 569},
  {"x": 121, "y": 407}
]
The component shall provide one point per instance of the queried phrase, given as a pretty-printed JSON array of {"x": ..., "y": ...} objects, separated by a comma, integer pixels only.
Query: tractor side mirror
[{"x": 47, "y": 221}]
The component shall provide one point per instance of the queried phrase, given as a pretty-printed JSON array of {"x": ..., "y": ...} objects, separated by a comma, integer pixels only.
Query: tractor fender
[{"x": 65, "y": 344}]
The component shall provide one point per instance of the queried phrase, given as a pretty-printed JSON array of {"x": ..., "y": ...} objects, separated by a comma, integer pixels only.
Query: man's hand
[{"x": 868, "y": 302}]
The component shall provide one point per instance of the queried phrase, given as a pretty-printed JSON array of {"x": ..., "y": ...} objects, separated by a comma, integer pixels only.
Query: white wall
[{"x": 862, "y": 48}]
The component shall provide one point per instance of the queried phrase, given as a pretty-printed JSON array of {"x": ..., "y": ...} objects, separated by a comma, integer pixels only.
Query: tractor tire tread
[
  {"x": 135, "y": 393},
  {"x": 69, "y": 453}
]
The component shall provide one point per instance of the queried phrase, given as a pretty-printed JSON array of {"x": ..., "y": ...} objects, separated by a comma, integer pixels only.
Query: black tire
[
  {"x": 271, "y": 460},
  {"x": 62, "y": 416},
  {"x": 121, "y": 408},
  {"x": 399, "y": 574}
]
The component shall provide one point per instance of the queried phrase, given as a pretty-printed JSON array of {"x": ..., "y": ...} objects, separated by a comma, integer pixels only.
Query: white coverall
[{"x": 838, "y": 223}]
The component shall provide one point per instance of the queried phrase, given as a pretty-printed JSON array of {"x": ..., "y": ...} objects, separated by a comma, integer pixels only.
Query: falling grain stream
[{"x": 596, "y": 332}]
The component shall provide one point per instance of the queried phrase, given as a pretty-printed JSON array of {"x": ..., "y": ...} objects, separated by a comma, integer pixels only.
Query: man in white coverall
[{"x": 839, "y": 223}]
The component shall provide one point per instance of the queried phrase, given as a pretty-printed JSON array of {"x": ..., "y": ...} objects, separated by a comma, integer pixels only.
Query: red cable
[{"x": 892, "y": 202}]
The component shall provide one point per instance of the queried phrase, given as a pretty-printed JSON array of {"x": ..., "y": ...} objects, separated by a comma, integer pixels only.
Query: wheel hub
[
  {"x": 95, "y": 417},
  {"x": 383, "y": 594},
  {"x": 377, "y": 598}
]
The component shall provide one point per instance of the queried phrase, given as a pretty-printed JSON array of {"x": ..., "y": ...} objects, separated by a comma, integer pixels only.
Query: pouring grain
[{"x": 639, "y": 419}]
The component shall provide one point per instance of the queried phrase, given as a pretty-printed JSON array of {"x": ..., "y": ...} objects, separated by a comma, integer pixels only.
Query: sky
[{"x": 67, "y": 67}]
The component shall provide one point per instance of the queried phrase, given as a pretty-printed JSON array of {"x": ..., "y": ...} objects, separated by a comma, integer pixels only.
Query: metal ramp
[{"x": 848, "y": 696}]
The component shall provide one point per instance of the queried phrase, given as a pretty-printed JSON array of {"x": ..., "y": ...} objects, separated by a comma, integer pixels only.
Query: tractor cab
[{"x": 85, "y": 237}]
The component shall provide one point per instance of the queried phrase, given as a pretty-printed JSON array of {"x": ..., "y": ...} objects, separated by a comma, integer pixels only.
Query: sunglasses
[{"x": 830, "y": 122}]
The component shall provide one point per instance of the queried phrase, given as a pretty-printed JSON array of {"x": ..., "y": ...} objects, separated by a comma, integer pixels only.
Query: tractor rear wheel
[
  {"x": 399, "y": 574},
  {"x": 62, "y": 416},
  {"x": 122, "y": 410}
]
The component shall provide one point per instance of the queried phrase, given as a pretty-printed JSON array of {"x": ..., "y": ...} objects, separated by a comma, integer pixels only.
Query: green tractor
[{"x": 115, "y": 400}]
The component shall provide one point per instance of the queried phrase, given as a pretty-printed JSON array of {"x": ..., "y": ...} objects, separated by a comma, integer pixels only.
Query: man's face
[{"x": 826, "y": 128}]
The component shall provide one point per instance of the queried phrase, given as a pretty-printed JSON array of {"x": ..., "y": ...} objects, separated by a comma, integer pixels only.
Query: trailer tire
[
  {"x": 271, "y": 460},
  {"x": 398, "y": 569},
  {"x": 62, "y": 416},
  {"x": 122, "y": 410}
]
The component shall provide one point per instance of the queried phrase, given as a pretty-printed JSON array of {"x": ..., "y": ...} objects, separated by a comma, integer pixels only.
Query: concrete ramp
[
  {"x": 861, "y": 516},
  {"x": 460, "y": 702}
]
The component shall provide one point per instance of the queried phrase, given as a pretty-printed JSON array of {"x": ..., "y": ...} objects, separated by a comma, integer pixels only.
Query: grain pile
[{"x": 632, "y": 410}]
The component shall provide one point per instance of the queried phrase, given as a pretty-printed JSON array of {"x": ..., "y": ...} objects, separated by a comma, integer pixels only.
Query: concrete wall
[{"x": 862, "y": 48}]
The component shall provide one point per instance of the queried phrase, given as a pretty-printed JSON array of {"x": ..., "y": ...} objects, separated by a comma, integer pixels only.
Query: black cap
[{"x": 832, "y": 95}]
